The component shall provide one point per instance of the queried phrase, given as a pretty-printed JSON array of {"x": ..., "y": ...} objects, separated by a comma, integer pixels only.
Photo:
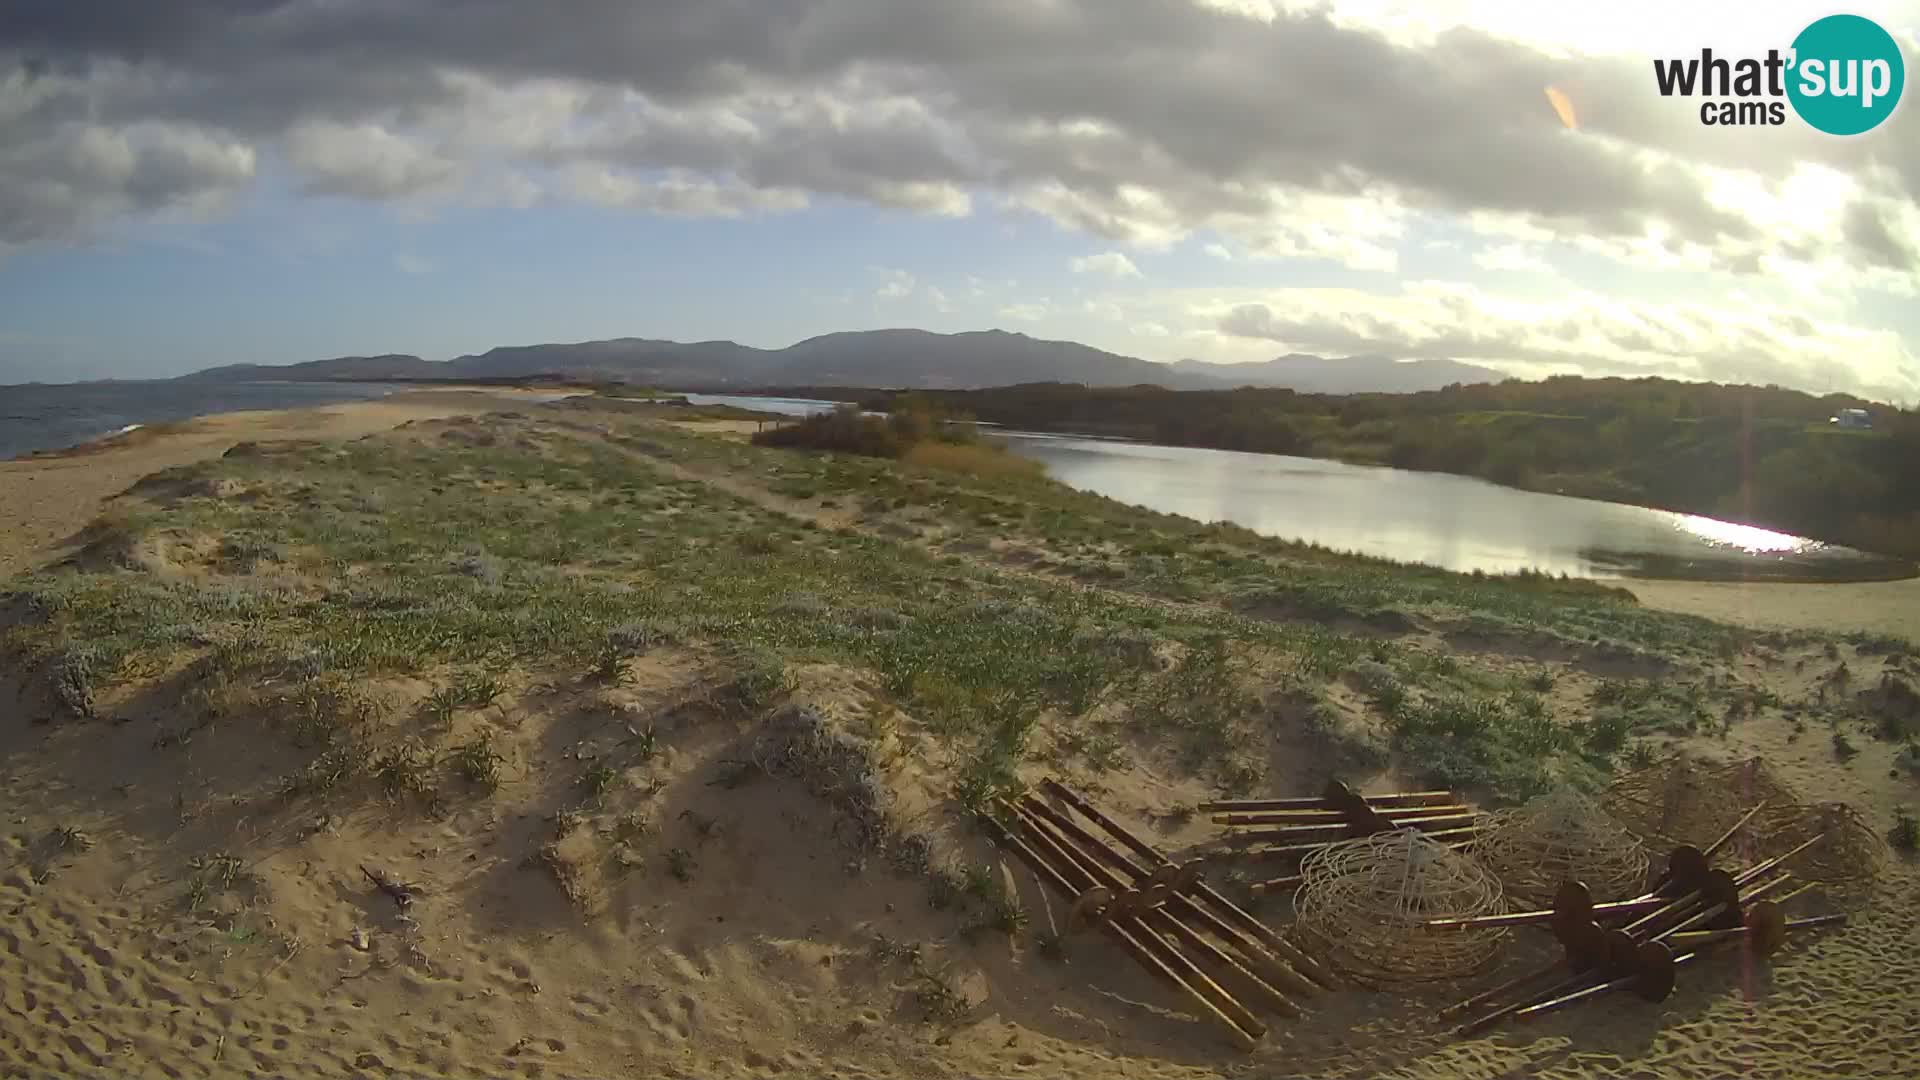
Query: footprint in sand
[{"x": 588, "y": 1007}]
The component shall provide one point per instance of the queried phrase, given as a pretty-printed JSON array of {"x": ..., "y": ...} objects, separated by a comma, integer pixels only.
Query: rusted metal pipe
[
  {"x": 1755, "y": 871},
  {"x": 1164, "y": 919},
  {"x": 1722, "y": 908},
  {"x": 1331, "y": 817},
  {"x": 1226, "y": 908},
  {"x": 1281, "y": 884},
  {"x": 1132, "y": 938},
  {"x": 1178, "y": 901},
  {"x": 1654, "y": 981},
  {"x": 1148, "y": 947},
  {"x": 1762, "y": 934},
  {"x": 1734, "y": 829},
  {"x": 1392, "y": 798},
  {"x": 1654, "y": 977},
  {"x": 1451, "y": 837},
  {"x": 1281, "y": 827},
  {"x": 1682, "y": 856}
]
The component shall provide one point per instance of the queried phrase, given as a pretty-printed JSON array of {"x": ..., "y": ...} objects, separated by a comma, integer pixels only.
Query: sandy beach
[
  {"x": 164, "y": 912},
  {"x": 1884, "y": 607},
  {"x": 45, "y": 500}
]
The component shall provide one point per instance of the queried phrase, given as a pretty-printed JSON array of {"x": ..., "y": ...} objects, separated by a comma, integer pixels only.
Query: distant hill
[
  {"x": 389, "y": 366},
  {"x": 905, "y": 359},
  {"x": 901, "y": 358},
  {"x": 1350, "y": 375}
]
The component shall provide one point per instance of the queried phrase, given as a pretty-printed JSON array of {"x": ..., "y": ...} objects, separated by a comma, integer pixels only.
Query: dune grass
[{"x": 515, "y": 545}]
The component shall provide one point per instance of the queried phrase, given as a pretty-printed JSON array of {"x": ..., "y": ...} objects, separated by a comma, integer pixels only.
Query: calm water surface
[
  {"x": 1454, "y": 522},
  {"x": 50, "y": 417}
]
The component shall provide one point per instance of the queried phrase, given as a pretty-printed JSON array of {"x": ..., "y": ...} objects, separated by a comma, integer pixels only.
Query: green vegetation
[
  {"x": 479, "y": 763},
  {"x": 1763, "y": 455},
  {"x": 559, "y": 547},
  {"x": 911, "y": 421},
  {"x": 1905, "y": 833}
]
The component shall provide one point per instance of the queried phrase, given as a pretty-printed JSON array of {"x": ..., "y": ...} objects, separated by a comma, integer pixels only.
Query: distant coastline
[{"x": 43, "y": 419}]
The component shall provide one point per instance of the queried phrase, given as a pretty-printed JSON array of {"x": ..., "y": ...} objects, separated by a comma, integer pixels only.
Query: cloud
[
  {"x": 1140, "y": 124},
  {"x": 1111, "y": 263},
  {"x": 412, "y": 264},
  {"x": 676, "y": 194},
  {"x": 898, "y": 286},
  {"x": 1579, "y": 330},
  {"x": 70, "y": 179},
  {"x": 1513, "y": 258},
  {"x": 365, "y": 161},
  {"x": 1138, "y": 121}
]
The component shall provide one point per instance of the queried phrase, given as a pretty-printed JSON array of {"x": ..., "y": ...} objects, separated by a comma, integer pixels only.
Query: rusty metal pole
[
  {"x": 1161, "y": 918},
  {"x": 1178, "y": 901},
  {"x": 1262, "y": 827},
  {"x": 1155, "y": 953},
  {"x": 1567, "y": 991},
  {"x": 1334, "y": 817},
  {"x": 1226, "y": 908},
  {"x": 1394, "y": 798}
]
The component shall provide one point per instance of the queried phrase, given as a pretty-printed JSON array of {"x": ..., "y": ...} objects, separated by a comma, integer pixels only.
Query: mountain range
[{"x": 904, "y": 359}]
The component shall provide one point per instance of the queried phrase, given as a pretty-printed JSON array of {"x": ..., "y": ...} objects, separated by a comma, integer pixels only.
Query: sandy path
[
  {"x": 45, "y": 501},
  {"x": 1891, "y": 607}
]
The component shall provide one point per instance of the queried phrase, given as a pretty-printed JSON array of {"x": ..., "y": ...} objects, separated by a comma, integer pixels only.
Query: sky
[{"x": 203, "y": 182}]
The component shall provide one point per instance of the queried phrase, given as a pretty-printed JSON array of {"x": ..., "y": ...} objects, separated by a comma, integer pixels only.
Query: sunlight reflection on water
[{"x": 1747, "y": 538}]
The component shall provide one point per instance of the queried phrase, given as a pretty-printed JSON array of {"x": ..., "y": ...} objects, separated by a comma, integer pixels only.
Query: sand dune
[
  {"x": 165, "y": 911},
  {"x": 46, "y": 500}
]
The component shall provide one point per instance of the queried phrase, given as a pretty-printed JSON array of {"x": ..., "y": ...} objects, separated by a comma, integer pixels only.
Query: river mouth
[{"x": 1451, "y": 522}]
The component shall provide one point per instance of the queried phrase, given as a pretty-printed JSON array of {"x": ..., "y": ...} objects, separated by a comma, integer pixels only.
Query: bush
[
  {"x": 976, "y": 460},
  {"x": 912, "y": 422},
  {"x": 845, "y": 429}
]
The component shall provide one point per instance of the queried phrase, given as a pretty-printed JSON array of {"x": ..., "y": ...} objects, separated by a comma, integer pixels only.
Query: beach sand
[
  {"x": 285, "y": 962},
  {"x": 45, "y": 500},
  {"x": 1888, "y": 607}
]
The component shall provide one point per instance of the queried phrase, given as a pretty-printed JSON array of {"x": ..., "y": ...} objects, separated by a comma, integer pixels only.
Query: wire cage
[
  {"x": 1363, "y": 906},
  {"x": 1558, "y": 837},
  {"x": 1690, "y": 801}
]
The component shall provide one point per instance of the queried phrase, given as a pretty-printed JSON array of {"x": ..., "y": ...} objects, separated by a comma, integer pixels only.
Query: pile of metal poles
[
  {"x": 1161, "y": 913},
  {"x": 1637, "y": 944},
  {"x": 1289, "y": 830}
]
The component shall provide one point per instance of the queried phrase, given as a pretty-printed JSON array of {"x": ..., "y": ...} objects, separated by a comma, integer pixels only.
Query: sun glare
[{"x": 1745, "y": 537}]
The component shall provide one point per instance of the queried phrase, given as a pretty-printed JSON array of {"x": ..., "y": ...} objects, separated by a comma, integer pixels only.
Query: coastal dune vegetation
[{"x": 621, "y": 669}]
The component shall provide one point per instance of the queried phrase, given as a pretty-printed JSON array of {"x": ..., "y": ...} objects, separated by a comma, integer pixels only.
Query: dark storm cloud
[
  {"x": 1868, "y": 230},
  {"x": 903, "y": 102}
]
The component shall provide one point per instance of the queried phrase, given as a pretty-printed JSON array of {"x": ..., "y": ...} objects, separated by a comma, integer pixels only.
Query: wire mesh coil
[
  {"x": 1363, "y": 906},
  {"x": 1559, "y": 837}
]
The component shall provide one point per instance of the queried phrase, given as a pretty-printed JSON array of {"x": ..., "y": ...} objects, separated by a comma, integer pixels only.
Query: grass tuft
[{"x": 479, "y": 763}]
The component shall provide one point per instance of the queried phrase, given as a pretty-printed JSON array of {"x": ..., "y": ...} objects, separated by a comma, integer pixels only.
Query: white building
[{"x": 1851, "y": 418}]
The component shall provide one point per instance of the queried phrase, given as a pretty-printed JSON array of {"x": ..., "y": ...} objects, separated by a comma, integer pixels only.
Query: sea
[{"x": 39, "y": 416}]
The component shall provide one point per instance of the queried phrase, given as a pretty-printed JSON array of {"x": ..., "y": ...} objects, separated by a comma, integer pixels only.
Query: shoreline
[
  {"x": 110, "y": 439},
  {"x": 47, "y": 499},
  {"x": 1733, "y": 572}
]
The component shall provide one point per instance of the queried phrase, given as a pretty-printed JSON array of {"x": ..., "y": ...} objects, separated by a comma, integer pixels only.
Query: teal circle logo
[{"x": 1847, "y": 75}]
